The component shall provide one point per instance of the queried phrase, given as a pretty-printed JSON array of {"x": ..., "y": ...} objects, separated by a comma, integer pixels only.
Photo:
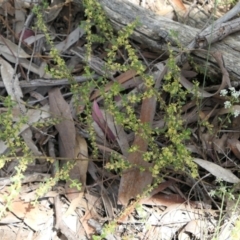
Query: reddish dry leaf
[
  {"x": 76, "y": 197},
  {"x": 26, "y": 34},
  {"x": 160, "y": 188},
  {"x": 133, "y": 181},
  {"x": 162, "y": 199},
  {"x": 120, "y": 79},
  {"x": 178, "y": 6}
]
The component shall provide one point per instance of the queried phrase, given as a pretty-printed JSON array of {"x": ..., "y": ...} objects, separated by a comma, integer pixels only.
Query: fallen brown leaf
[
  {"x": 133, "y": 181},
  {"x": 120, "y": 79}
]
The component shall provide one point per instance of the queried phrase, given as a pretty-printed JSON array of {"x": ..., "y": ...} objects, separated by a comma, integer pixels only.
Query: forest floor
[{"x": 67, "y": 113}]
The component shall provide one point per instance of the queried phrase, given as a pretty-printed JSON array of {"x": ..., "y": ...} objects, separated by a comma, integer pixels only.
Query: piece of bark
[{"x": 155, "y": 32}]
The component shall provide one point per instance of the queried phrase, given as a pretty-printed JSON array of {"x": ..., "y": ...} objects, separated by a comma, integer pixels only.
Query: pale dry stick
[
  {"x": 43, "y": 82},
  {"x": 51, "y": 83},
  {"x": 229, "y": 15},
  {"x": 215, "y": 32}
]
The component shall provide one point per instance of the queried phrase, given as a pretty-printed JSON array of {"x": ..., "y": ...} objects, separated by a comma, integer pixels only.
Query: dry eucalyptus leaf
[
  {"x": 11, "y": 48},
  {"x": 11, "y": 83},
  {"x": 39, "y": 70},
  {"x": 72, "y": 38},
  {"x": 67, "y": 133},
  {"x": 217, "y": 170},
  {"x": 27, "y": 136},
  {"x": 32, "y": 39}
]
